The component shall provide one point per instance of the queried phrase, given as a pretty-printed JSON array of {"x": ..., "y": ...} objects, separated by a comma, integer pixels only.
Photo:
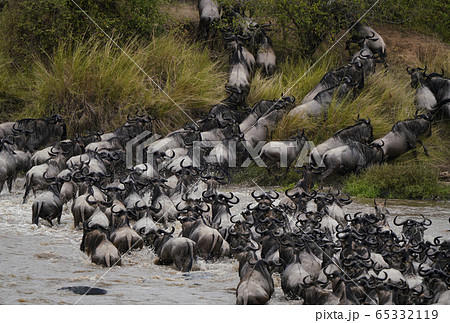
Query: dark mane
[
  {"x": 349, "y": 133},
  {"x": 408, "y": 126}
]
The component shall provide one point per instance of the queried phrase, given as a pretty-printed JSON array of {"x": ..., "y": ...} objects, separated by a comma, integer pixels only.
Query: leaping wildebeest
[
  {"x": 283, "y": 152},
  {"x": 360, "y": 132},
  {"x": 404, "y": 136},
  {"x": 354, "y": 156}
]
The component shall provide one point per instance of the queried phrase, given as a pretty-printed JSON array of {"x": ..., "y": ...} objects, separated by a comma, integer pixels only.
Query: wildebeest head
[
  {"x": 413, "y": 230},
  {"x": 417, "y": 75}
]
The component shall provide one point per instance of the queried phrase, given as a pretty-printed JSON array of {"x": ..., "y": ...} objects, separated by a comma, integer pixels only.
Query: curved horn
[{"x": 401, "y": 223}]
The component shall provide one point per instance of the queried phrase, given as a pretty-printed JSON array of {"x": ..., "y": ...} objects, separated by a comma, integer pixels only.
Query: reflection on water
[{"x": 36, "y": 262}]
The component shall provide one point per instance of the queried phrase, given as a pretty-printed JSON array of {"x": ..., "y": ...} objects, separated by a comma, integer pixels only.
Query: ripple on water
[{"x": 42, "y": 259}]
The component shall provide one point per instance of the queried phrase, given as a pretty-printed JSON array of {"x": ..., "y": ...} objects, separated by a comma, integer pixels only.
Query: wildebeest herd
[{"x": 324, "y": 256}]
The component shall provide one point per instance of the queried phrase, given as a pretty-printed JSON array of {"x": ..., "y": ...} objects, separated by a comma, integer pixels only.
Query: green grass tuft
[
  {"x": 397, "y": 181},
  {"x": 95, "y": 86}
]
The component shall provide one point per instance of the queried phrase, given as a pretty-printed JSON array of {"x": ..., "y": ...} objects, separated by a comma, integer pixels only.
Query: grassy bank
[
  {"x": 404, "y": 181},
  {"x": 95, "y": 85}
]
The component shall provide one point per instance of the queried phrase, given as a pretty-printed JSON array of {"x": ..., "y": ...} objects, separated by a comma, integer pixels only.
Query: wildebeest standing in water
[{"x": 7, "y": 164}]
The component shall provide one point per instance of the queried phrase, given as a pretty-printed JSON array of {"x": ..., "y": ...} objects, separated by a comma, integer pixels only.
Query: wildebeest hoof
[{"x": 85, "y": 290}]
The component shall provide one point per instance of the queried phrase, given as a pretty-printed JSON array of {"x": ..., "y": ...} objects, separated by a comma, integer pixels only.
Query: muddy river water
[{"x": 36, "y": 261}]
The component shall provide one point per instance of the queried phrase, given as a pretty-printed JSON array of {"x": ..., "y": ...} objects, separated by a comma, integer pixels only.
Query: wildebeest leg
[
  {"x": 327, "y": 173},
  {"x": 286, "y": 171},
  {"x": 27, "y": 191},
  {"x": 414, "y": 152},
  {"x": 50, "y": 221},
  {"x": 10, "y": 180},
  {"x": 424, "y": 148},
  {"x": 1, "y": 186}
]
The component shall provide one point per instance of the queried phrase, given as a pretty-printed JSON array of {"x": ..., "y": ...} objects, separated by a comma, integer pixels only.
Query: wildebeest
[
  {"x": 175, "y": 139},
  {"x": 265, "y": 56},
  {"x": 354, "y": 156},
  {"x": 360, "y": 132},
  {"x": 209, "y": 241},
  {"x": 260, "y": 130},
  {"x": 259, "y": 110},
  {"x": 7, "y": 164},
  {"x": 36, "y": 176},
  {"x": 283, "y": 152},
  {"x": 322, "y": 101},
  {"x": 440, "y": 86},
  {"x": 179, "y": 251},
  {"x": 125, "y": 238},
  {"x": 367, "y": 37},
  {"x": 68, "y": 189},
  {"x": 256, "y": 286},
  {"x": 221, "y": 215},
  {"x": 40, "y": 132},
  {"x": 209, "y": 13},
  {"x": 96, "y": 244},
  {"x": 235, "y": 44},
  {"x": 424, "y": 97},
  {"x": 6, "y": 129},
  {"x": 240, "y": 72},
  {"x": 48, "y": 206},
  {"x": 132, "y": 128},
  {"x": 404, "y": 136}
]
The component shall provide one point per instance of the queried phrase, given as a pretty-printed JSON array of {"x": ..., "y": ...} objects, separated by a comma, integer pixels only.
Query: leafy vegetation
[
  {"x": 34, "y": 28},
  {"x": 419, "y": 181},
  {"x": 301, "y": 26}
]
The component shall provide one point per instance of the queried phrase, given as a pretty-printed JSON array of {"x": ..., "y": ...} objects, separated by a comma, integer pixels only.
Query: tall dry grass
[{"x": 95, "y": 84}]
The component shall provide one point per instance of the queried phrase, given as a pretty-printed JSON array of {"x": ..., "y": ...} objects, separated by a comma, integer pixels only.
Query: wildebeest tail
[
  {"x": 129, "y": 241},
  {"x": 191, "y": 256},
  {"x": 36, "y": 210},
  {"x": 213, "y": 245},
  {"x": 27, "y": 187}
]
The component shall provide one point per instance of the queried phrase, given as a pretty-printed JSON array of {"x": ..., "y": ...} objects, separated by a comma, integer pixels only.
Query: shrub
[
  {"x": 406, "y": 180},
  {"x": 31, "y": 28},
  {"x": 300, "y": 26}
]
